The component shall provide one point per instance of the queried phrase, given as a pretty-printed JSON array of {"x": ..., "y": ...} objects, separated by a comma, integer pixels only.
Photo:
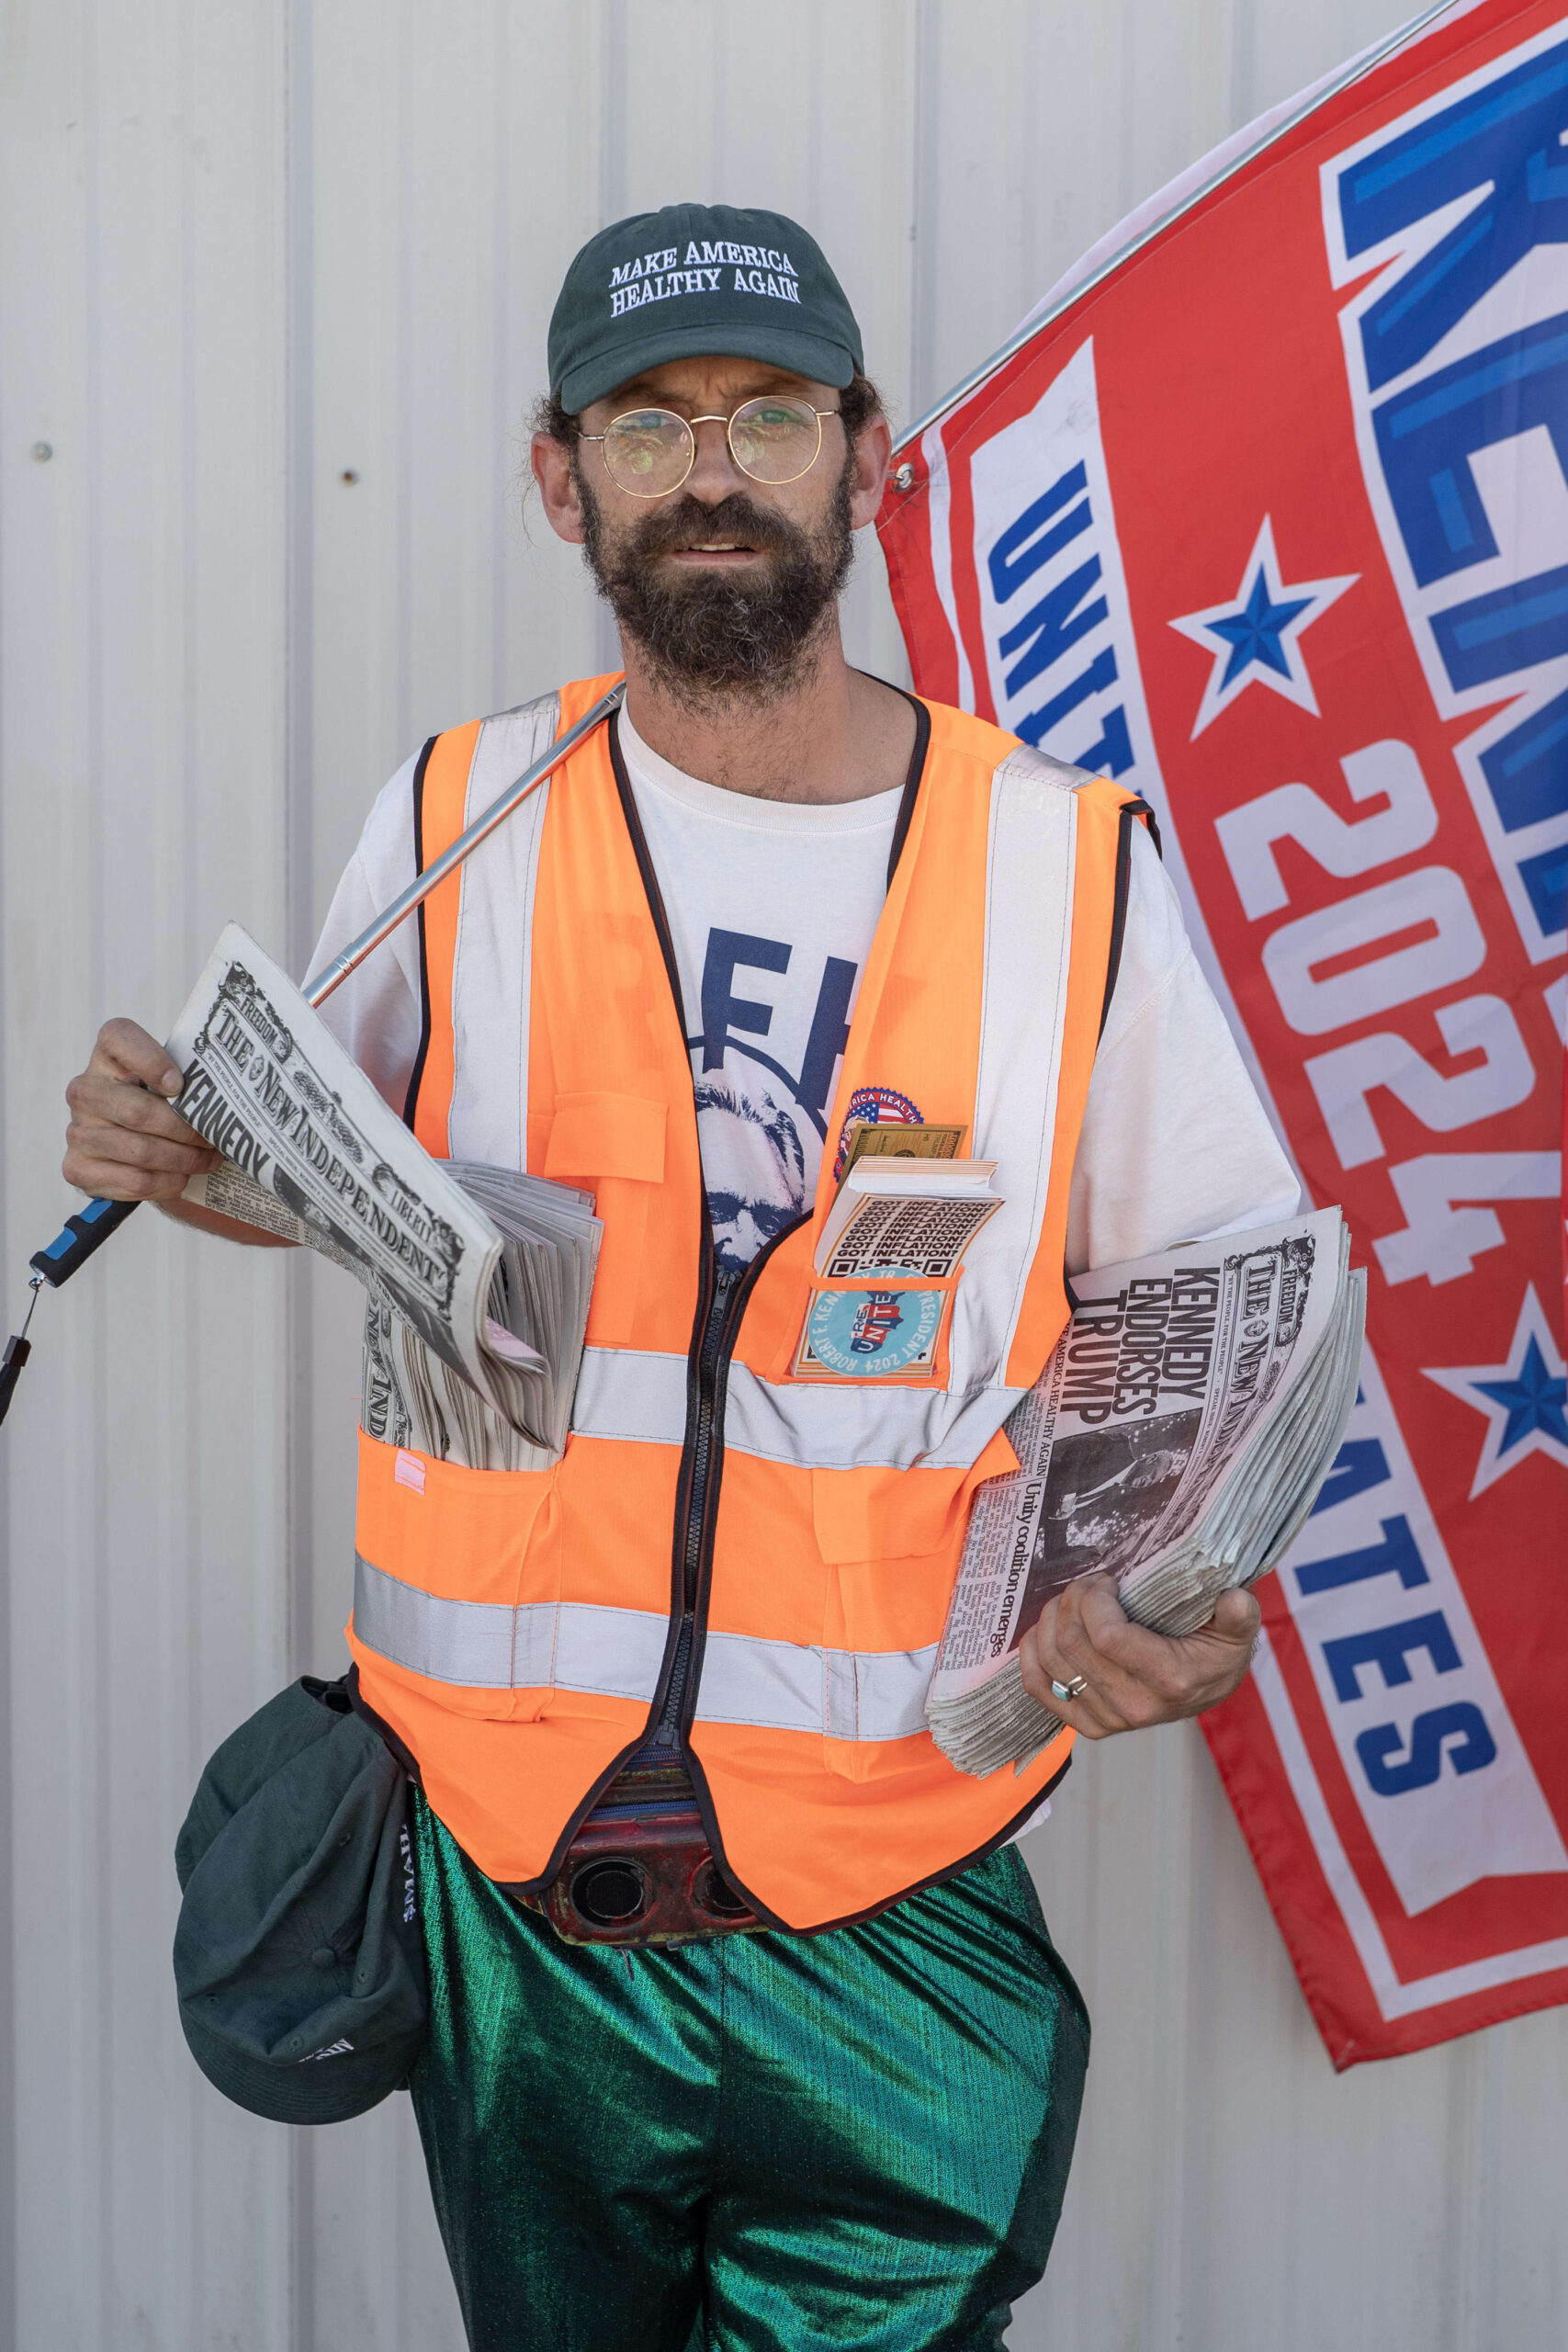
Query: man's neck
[{"x": 834, "y": 735}]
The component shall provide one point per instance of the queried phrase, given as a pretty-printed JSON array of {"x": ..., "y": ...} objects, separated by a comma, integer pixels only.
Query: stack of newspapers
[
  {"x": 1176, "y": 1441},
  {"x": 535, "y": 1314},
  {"x": 476, "y": 1279}
]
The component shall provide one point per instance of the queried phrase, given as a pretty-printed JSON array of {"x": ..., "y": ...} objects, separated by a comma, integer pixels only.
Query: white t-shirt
[{"x": 772, "y": 906}]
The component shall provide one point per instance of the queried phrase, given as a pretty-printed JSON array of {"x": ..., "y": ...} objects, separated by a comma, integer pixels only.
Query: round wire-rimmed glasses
[{"x": 649, "y": 451}]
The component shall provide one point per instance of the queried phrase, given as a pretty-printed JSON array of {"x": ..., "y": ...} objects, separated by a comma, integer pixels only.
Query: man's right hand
[{"x": 125, "y": 1142}]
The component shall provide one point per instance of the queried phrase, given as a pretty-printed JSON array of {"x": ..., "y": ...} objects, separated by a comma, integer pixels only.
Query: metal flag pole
[
  {"x": 419, "y": 888},
  {"x": 87, "y": 1232}
]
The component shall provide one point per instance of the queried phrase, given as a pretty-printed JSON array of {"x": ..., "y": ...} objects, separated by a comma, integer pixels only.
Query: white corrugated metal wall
[{"x": 274, "y": 280}]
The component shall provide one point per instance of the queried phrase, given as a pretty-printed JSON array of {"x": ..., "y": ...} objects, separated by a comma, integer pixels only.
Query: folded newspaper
[
  {"x": 1177, "y": 1441},
  {"x": 476, "y": 1279}
]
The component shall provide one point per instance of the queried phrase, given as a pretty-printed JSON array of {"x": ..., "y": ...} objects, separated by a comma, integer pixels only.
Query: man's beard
[{"x": 710, "y": 636}]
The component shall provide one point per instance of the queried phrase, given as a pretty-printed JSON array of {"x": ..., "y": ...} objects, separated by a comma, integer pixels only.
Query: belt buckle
[{"x": 640, "y": 1869}]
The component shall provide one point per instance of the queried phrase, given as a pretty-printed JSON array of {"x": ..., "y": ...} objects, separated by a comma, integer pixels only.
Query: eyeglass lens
[{"x": 650, "y": 451}]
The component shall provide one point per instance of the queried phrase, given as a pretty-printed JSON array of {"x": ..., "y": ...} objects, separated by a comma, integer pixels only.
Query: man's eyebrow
[{"x": 640, "y": 394}]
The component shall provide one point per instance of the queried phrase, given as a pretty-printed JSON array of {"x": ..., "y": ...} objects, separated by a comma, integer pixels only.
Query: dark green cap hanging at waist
[
  {"x": 299, "y": 1957},
  {"x": 698, "y": 281}
]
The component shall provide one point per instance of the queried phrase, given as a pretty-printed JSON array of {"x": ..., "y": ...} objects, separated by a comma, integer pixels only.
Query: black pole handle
[
  {"x": 82, "y": 1235},
  {"x": 17, "y": 1350}
]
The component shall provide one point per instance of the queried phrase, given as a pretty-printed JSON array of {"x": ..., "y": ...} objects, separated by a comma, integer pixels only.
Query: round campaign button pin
[
  {"x": 877, "y": 1106},
  {"x": 860, "y": 1333}
]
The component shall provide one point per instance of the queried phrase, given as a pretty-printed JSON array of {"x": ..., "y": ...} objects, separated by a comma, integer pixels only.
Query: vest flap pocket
[
  {"x": 876, "y": 1515},
  {"x": 607, "y": 1135}
]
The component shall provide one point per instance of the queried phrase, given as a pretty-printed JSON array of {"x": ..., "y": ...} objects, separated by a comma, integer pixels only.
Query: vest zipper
[
  {"x": 731, "y": 1292},
  {"x": 722, "y": 1285},
  {"x": 721, "y": 1327},
  {"x": 710, "y": 1356}
]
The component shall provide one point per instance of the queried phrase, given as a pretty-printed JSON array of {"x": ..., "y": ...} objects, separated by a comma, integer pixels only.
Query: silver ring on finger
[{"x": 1073, "y": 1690}]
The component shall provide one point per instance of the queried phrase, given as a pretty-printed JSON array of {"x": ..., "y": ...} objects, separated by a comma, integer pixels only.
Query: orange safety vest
[{"x": 517, "y": 1630}]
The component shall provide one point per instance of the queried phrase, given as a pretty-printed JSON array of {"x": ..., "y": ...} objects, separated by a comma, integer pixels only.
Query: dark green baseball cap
[
  {"x": 695, "y": 281},
  {"x": 298, "y": 1958}
]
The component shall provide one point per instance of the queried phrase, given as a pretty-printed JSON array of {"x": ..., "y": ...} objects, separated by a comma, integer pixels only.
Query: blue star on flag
[
  {"x": 1255, "y": 636},
  {"x": 1525, "y": 1399}
]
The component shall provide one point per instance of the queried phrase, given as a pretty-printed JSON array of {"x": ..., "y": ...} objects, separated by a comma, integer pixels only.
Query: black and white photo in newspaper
[{"x": 1165, "y": 1375}]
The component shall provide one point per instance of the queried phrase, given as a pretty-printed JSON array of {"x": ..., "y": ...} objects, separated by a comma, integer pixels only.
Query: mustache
[{"x": 687, "y": 523}]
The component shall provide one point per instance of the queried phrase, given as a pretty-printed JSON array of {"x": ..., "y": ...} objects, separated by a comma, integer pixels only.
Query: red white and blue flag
[{"x": 1267, "y": 513}]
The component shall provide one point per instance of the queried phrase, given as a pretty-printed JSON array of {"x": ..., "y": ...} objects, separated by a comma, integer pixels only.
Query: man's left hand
[{"x": 1133, "y": 1678}]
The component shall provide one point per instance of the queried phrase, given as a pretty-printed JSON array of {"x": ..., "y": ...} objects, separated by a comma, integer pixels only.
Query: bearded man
[{"x": 745, "y": 2027}]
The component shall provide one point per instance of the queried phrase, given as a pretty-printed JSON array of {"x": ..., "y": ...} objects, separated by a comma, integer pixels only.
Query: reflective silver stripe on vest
[
  {"x": 788, "y": 1686},
  {"x": 631, "y": 1393},
  {"x": 845, "y": 1427},
  {"x": 491, "y": 970},
  {"x": 637, "y": 1394},
  {"x": 1029, "y": 940},
  {"x": 777, "y": 1686},
  {"x": 484, "y": 1645}
]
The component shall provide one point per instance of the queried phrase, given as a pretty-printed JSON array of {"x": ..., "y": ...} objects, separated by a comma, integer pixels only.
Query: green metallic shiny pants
[{"x": 757, "y": 2143}]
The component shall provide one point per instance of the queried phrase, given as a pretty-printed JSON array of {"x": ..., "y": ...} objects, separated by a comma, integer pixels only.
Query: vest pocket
[
  {"x": 607, "y": 1135},
  {"x": 891, "y": 1541},
  {"x": 880, "y": 1517},
  {"x": 611, "y": 1145},
  {"x": 457, "y": 1582}
]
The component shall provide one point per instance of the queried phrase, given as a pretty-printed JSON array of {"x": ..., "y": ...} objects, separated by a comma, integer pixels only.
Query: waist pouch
[
  {"x": 298, "y": 1960},
  {"x": 640, "y": 1869}
]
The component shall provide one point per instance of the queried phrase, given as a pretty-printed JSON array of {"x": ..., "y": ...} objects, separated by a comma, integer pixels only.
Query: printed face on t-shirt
[{"x": 765, "y": 1064}]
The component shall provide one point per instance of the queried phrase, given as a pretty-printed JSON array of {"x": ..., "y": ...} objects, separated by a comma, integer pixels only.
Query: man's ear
[
  {"x": 552, "y": 468},
  {"x": 873, "y": 456}
]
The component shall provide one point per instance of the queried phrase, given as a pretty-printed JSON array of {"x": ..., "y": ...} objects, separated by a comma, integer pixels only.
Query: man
[{"x": 773, "y": 897}]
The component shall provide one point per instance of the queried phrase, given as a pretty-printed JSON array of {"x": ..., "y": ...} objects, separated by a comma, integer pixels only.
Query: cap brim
[
  {"x": 814, "y": 357},
  {"x": 321, "y": 2090}
]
